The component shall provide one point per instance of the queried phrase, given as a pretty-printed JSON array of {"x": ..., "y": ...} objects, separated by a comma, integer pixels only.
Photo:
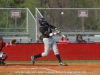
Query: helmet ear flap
[{"x": 42, "y": 21}]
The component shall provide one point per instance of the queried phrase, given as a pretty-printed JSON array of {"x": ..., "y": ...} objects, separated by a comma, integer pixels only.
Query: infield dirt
[{"x": 50, "y": 69}]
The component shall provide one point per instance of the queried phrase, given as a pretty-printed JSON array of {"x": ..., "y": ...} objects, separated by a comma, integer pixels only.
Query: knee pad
[{"x": 3, "y": 55}]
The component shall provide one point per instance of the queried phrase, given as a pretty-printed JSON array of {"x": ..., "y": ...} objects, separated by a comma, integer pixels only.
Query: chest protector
[{"x": 1, "y": 43}]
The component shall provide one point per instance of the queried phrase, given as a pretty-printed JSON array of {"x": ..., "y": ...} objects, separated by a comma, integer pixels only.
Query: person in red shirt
[
  {"x": 64, "y": 40},
  {"x": 3, "y": 55}
]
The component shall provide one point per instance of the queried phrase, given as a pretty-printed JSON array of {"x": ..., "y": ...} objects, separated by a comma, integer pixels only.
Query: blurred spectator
[
  {"x": 64, "y": 40},
  {"x": 79, "y": 38},
  {"x": 40, "y": 38}
]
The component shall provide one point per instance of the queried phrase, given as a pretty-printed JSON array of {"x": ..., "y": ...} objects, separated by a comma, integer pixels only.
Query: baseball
[{"x": 62, "y": 13}]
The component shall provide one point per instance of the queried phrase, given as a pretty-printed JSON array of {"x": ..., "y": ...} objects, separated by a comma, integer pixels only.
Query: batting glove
[
  {"x": 58, "y": 31},
  {"x": 52, "y": 34}
]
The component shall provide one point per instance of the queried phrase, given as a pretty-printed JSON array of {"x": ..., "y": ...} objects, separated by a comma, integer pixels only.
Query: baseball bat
[{"x": 60, "y": 33}]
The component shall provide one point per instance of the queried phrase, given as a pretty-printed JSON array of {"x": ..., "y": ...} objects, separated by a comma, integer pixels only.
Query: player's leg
[
  {"x": 3, "y": 57},
  {"x": 56, "y": 52},
  {"x": 47, "y": 46}
]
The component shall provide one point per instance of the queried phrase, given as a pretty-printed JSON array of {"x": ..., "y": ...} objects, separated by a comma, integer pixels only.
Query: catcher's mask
[
  {"x": 42, "y": 21},
  {"x": 3, "y": 55}
]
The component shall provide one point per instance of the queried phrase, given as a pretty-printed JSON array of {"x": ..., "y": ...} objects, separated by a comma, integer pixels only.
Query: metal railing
[
  {"x": 17, "y": 22},
  {"x": 72, "y": 20}
]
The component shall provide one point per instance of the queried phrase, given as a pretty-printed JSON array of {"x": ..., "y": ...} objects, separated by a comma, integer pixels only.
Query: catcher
[{"x": 3, "y": 55}]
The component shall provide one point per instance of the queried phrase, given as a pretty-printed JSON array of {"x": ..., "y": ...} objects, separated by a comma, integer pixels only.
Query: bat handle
[{"x": 62, "y": 35}]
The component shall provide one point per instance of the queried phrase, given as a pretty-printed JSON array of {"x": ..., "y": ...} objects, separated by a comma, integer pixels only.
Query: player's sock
[
  {"x": 37, "y": 56},
  {"x": 58, "y": 57}
]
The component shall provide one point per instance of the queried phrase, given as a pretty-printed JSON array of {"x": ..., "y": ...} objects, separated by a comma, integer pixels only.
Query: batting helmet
[{"x": 42, "y": 21}]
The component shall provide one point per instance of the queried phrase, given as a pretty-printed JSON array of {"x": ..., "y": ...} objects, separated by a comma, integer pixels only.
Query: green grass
[{"x": 51, "y": 61}]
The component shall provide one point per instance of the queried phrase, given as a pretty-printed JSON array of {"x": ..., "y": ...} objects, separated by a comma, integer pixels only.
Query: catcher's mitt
[{"x": 12, "y": 42}]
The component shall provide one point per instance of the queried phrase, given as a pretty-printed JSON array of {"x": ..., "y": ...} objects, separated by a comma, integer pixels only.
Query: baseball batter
[
  {"x": 46, "y": 30},
  {"x": 3, "y": 55}
]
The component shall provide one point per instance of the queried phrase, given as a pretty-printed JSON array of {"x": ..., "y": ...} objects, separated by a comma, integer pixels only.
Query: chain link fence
[
  {"x": 21, "y": 24},
  {"x": 17, "y": 23},
  {"x": 73, "y": 21}
]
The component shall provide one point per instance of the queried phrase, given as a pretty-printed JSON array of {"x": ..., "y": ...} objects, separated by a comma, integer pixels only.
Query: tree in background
[
  {"x": 32, "y": 4},
  {"x": 57, "y": 20},
  {"x": 53, "y": 17}
]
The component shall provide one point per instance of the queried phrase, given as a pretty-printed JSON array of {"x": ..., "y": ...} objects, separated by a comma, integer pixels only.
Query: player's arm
[
  {"x": 5, "y": 44},
  {"x": 50, "y": 34},
  {"x": 45, "y": 32},
  {"x": 51, "y": 26},
  {"x": 11, "y": 43},
  {"x": 55, "y": 33}
]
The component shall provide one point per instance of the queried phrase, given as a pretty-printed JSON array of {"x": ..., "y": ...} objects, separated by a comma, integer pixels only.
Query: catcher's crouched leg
[{"x": 3, "y": 57}]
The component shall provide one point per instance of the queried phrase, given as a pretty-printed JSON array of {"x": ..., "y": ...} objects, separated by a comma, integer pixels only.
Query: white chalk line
[{"x": 47, "y": 70}]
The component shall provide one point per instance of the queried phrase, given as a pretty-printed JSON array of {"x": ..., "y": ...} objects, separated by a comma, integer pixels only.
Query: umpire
[{"x": 46, "y": 30}]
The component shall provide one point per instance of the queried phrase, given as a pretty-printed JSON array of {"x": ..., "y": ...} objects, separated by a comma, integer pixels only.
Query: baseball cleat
[
  {"x": 62, "y": 64},
  {"x": 33, "y": 60},
  {"x": 2, "y": 63}
]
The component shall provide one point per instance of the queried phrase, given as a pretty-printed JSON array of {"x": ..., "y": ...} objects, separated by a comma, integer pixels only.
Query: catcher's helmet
[
  {"x": 3, "y": 55},
  {"x": 1, "y": 43},
  {"x": 42, "y": 21}
]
